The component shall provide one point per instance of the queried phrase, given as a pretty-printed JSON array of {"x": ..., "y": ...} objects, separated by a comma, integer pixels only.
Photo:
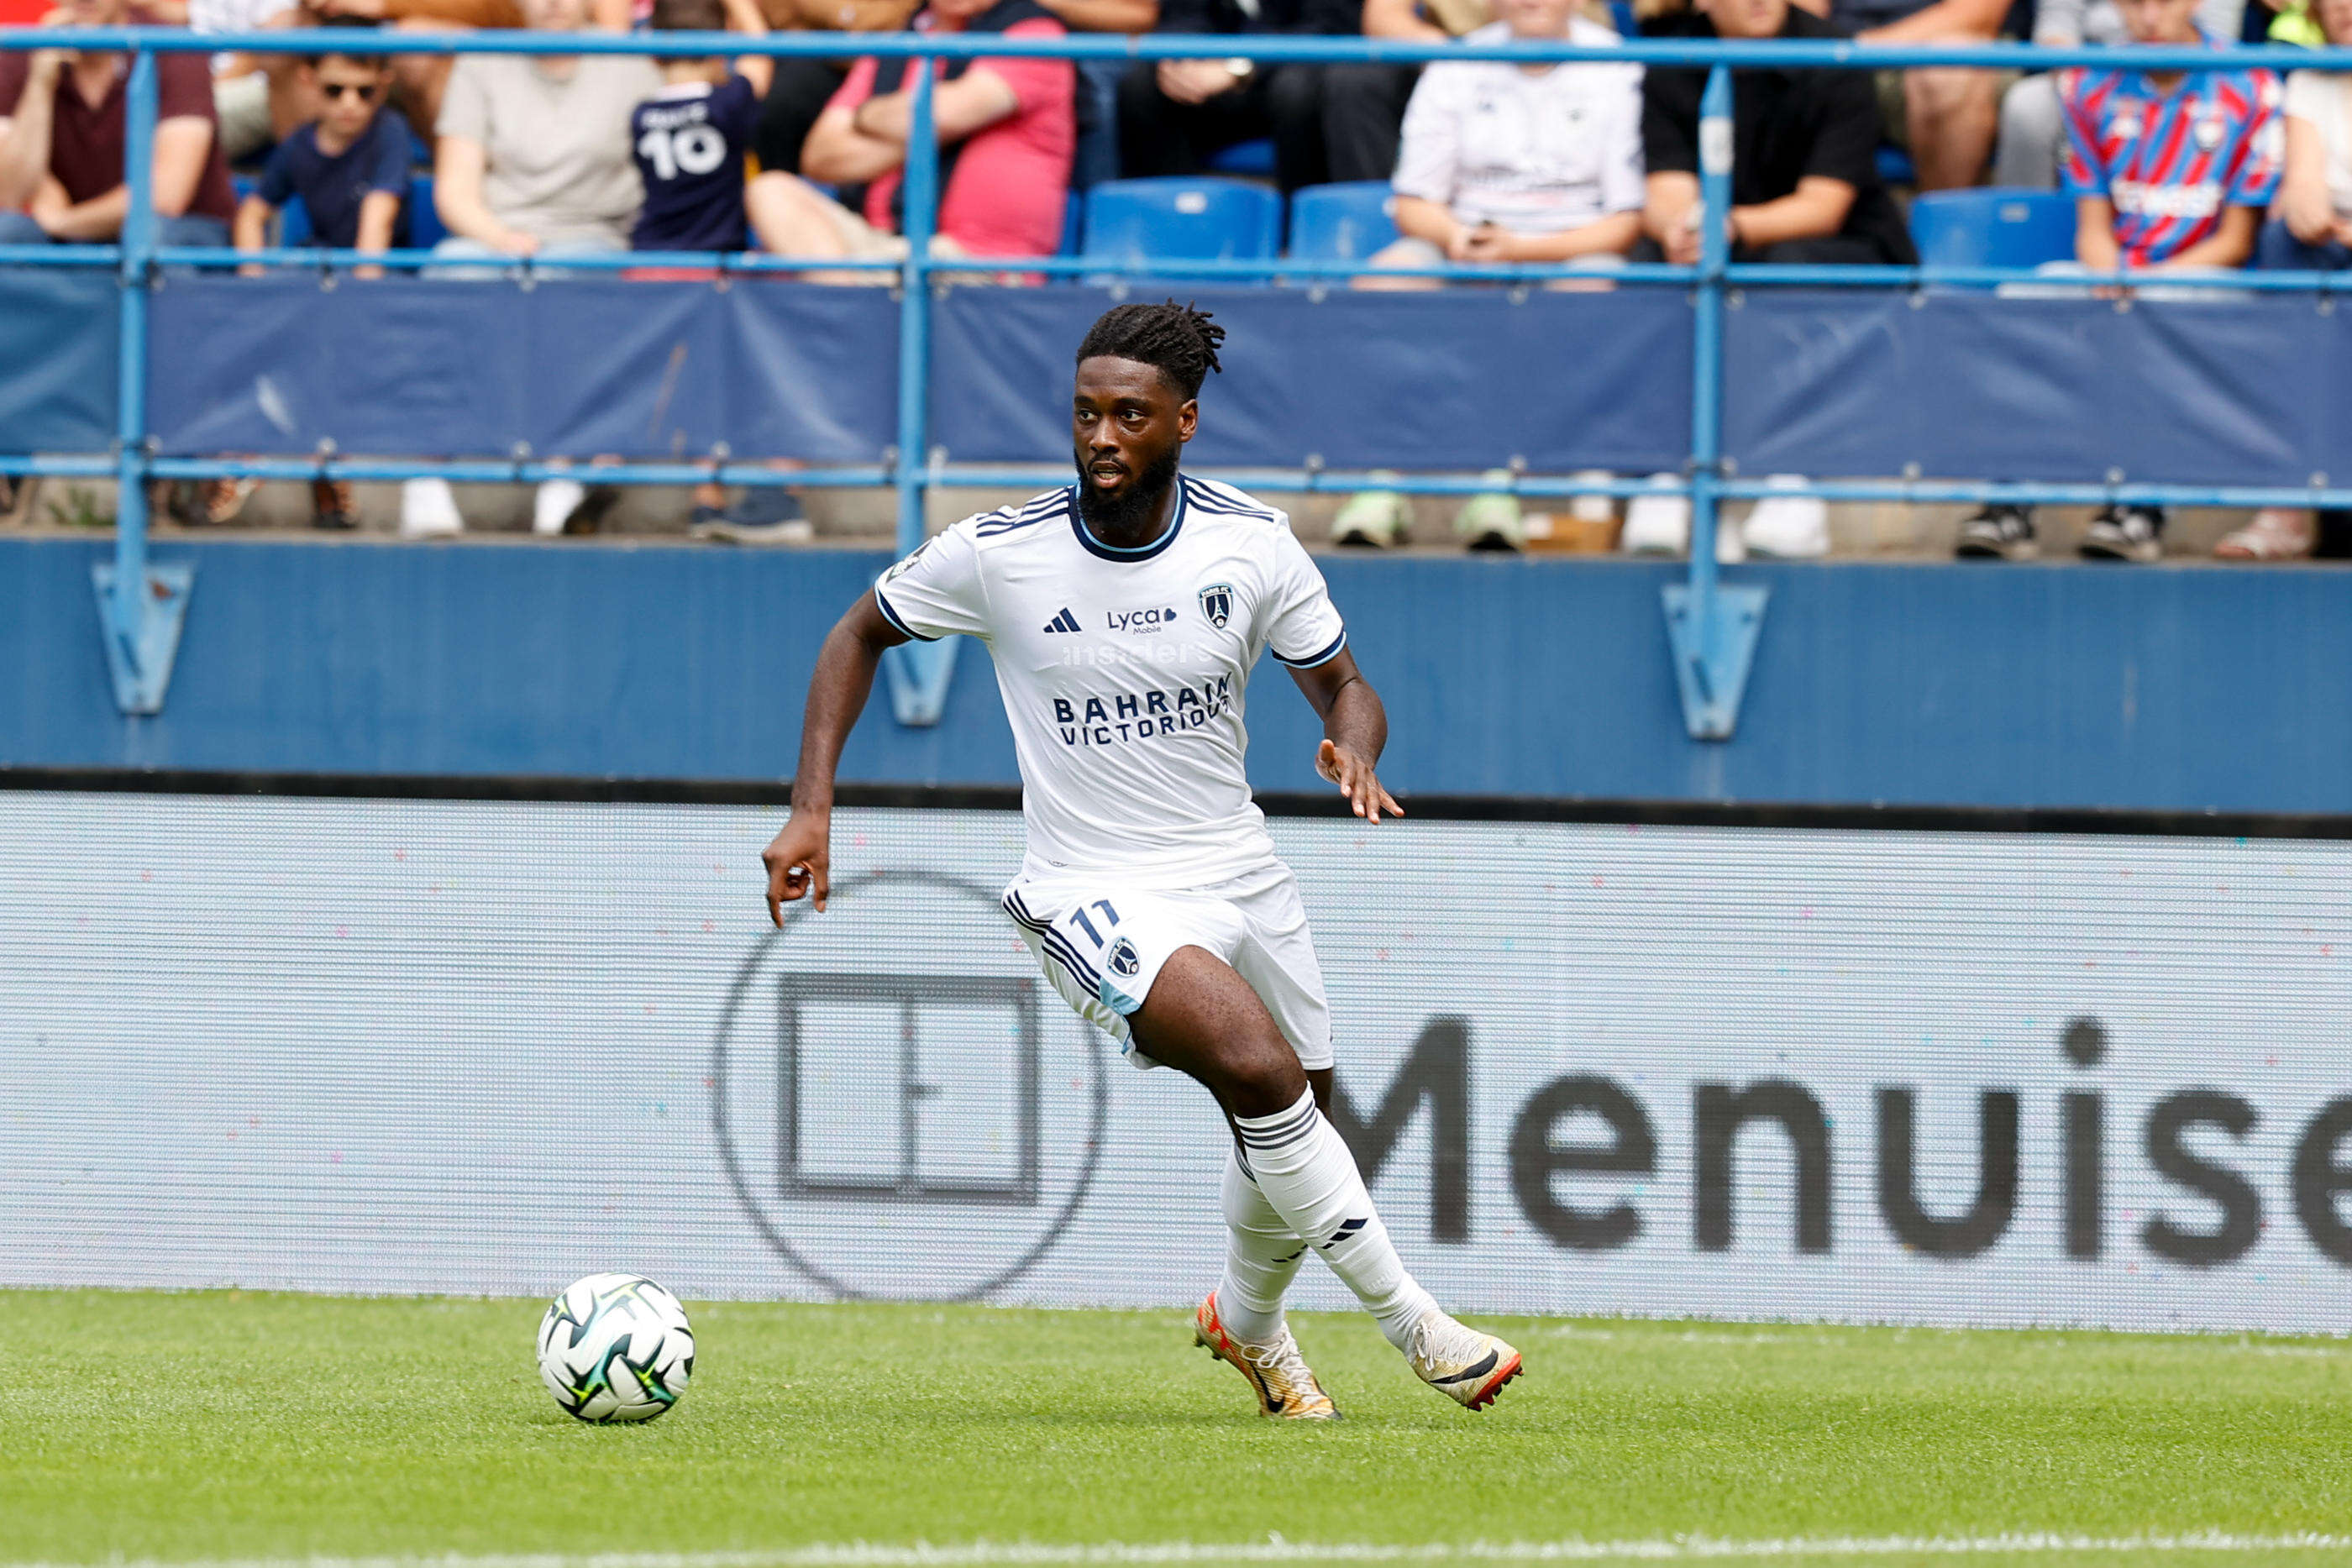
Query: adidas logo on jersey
[{"x": 1065, "y": 621}]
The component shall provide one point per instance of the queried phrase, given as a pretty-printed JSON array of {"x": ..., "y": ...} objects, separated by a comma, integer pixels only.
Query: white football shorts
[{"x": 1102, "y": 945}]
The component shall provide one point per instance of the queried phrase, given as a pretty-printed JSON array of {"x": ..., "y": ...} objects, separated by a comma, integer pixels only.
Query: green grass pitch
[{"x": 238, "y": 1426}]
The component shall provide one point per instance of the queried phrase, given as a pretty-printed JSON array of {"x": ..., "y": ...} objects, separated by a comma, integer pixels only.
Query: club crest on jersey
[
  {"x": 1123, "y": 960},
  {"x": 2209, "y": 133},
  {"x": 1217, "y": 604},
  {"x": 900, "y": 569}
]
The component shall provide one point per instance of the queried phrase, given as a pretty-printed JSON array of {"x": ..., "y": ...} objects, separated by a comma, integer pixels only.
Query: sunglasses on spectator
[{"x": 335, "y": 90}]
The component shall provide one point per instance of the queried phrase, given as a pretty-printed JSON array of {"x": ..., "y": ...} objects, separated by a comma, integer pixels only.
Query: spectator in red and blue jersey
[
  {"x": 2168, "y": 169},
  {"x": 2170, "y": 172}
]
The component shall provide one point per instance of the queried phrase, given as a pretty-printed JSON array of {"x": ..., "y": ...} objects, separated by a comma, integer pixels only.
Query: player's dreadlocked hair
[{"x": 1180, "y": 340}]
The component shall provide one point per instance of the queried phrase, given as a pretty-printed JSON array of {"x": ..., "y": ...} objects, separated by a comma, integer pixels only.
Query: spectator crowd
[{"x": 1580, "y": 167}]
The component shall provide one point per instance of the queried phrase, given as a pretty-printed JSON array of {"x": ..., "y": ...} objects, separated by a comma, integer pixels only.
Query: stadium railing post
[
  {"x": 140, "y": 607},
  {"x": 1711, "y": 626},
  {"x": 918, "y": 672}
]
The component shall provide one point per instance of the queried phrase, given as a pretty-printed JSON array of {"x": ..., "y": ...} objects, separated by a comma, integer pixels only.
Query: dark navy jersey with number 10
[{"x": 690, "y": 139}]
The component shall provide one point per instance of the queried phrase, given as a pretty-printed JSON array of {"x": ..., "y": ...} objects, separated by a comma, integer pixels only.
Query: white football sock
[
  {"x": 1262, "y": 1256},
  {"x": 1310, "y": 1179}
]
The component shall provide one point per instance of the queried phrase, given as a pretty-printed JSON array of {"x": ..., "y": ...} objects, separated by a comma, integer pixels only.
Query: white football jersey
[{"x": 1124, "y": 671}]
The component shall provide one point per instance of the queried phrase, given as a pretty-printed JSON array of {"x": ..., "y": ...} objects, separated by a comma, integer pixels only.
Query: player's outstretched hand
[
  {"x": 1356, "y": 780},
  {"x": 797, "y": 860}
]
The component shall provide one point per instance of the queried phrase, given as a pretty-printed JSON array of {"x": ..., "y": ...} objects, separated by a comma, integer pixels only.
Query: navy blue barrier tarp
[
  {"x": 580, "y": 367},
  {"x": 2245, "y": 390},
  {"x": 57, "y": 333},
  {"x": 1466, "y": 378}
]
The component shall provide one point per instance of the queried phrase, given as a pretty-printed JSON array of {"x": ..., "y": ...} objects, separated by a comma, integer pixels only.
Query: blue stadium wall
[{"x": 2174, "y": 689}]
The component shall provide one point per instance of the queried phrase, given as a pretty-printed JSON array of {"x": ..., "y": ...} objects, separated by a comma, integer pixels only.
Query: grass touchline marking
[{"x": 986, "y": 1554}]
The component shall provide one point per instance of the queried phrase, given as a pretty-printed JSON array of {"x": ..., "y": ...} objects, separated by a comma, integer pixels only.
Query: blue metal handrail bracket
[
  {"x": 141, "y": 606},
  {"x": 1712, "y": 627}
]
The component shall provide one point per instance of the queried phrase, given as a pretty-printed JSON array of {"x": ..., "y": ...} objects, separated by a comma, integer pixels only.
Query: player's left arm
[{"x": 1355, "y": 732}]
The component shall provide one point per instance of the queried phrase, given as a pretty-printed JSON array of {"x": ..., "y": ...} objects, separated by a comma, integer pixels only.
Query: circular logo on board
[{"x": 904, "y": 1107}]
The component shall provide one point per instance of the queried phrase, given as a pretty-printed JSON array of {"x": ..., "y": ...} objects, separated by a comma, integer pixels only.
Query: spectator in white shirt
[
  {"x": 1506, "y": 164},
  {"x": 1511, "y": 163}
]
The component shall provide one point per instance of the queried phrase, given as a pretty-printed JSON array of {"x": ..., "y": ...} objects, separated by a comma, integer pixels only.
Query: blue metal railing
[{"x": 1712, "y": 625}]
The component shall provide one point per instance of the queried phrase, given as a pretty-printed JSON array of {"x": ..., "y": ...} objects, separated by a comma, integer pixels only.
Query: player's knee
[{"x": 1260, "y": 1075}]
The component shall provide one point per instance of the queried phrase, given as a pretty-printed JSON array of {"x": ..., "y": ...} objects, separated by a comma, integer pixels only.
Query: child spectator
[
  {"x": 1006, "y": 128},
  {"x": 350, "y": 165},
  {"x": 692, "y": 141},
  {"x": 2169, "y": 171},
  {"x": 2032, "y": 120}
]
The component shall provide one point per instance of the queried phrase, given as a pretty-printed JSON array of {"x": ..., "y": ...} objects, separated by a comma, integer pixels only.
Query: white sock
[
  {"x": 1262, "y": 1256},
  {"x": 1310, "y": 1179}
]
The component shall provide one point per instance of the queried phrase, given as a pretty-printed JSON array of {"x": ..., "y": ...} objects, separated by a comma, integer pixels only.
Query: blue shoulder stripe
[
  {"x": 1011, "y": 520},
  {"x": 1208, "y": 500},
  {"x": 892, "y": 616},
  {"x": 1311, "y": 660}
]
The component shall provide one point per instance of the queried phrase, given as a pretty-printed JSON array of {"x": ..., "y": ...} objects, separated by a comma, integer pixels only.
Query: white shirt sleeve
[
  {"x": 1428, "y": 155},
  {"x": 1303, "y": 628},
  {"x": 1623, "y": 187},
  {"x": 2310, "y": 96},
  {"x": 936, "y": 591}
]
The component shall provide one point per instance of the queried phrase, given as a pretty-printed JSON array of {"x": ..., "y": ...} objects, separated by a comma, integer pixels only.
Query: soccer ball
[{"x": 616, "y": 1347}]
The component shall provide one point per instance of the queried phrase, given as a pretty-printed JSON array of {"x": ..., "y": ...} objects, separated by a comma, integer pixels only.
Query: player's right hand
[{"x": 798, "y": 862}]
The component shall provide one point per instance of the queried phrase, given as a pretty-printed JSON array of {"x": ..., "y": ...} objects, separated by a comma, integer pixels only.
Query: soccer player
[{"x": 1123, "y": 613}]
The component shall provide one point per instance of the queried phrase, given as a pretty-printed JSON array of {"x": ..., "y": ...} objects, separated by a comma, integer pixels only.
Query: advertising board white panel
[{"x": 425, "y": 1046}]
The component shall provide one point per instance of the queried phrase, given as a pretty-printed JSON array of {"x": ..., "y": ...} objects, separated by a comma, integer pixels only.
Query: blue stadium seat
[
  {"x": 424, "y": 226},
  {"x": 1340, "y": 222},
  {"x": 1131, "y": 221},
  {"x": 1993, "y": 227},
  {"x": 1073, "y": 218},
  {"x": 293, "y": 223},
  {"x": 1249, "y": 159}
]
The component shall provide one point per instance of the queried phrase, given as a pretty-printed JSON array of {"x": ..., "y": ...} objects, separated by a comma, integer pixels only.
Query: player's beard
[{"x": 1129, "y": 511}]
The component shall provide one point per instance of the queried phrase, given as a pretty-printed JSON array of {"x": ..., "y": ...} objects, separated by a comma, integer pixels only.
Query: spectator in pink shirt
[{"x": 1006, "y": 129}]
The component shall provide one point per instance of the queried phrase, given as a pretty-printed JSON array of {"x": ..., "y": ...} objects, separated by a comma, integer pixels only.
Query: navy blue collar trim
[{"x": 1145, "y": 553}]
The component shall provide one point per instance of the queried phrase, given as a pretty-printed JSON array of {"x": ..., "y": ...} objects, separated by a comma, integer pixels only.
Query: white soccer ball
[{"x": 616, "y": 1347}]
